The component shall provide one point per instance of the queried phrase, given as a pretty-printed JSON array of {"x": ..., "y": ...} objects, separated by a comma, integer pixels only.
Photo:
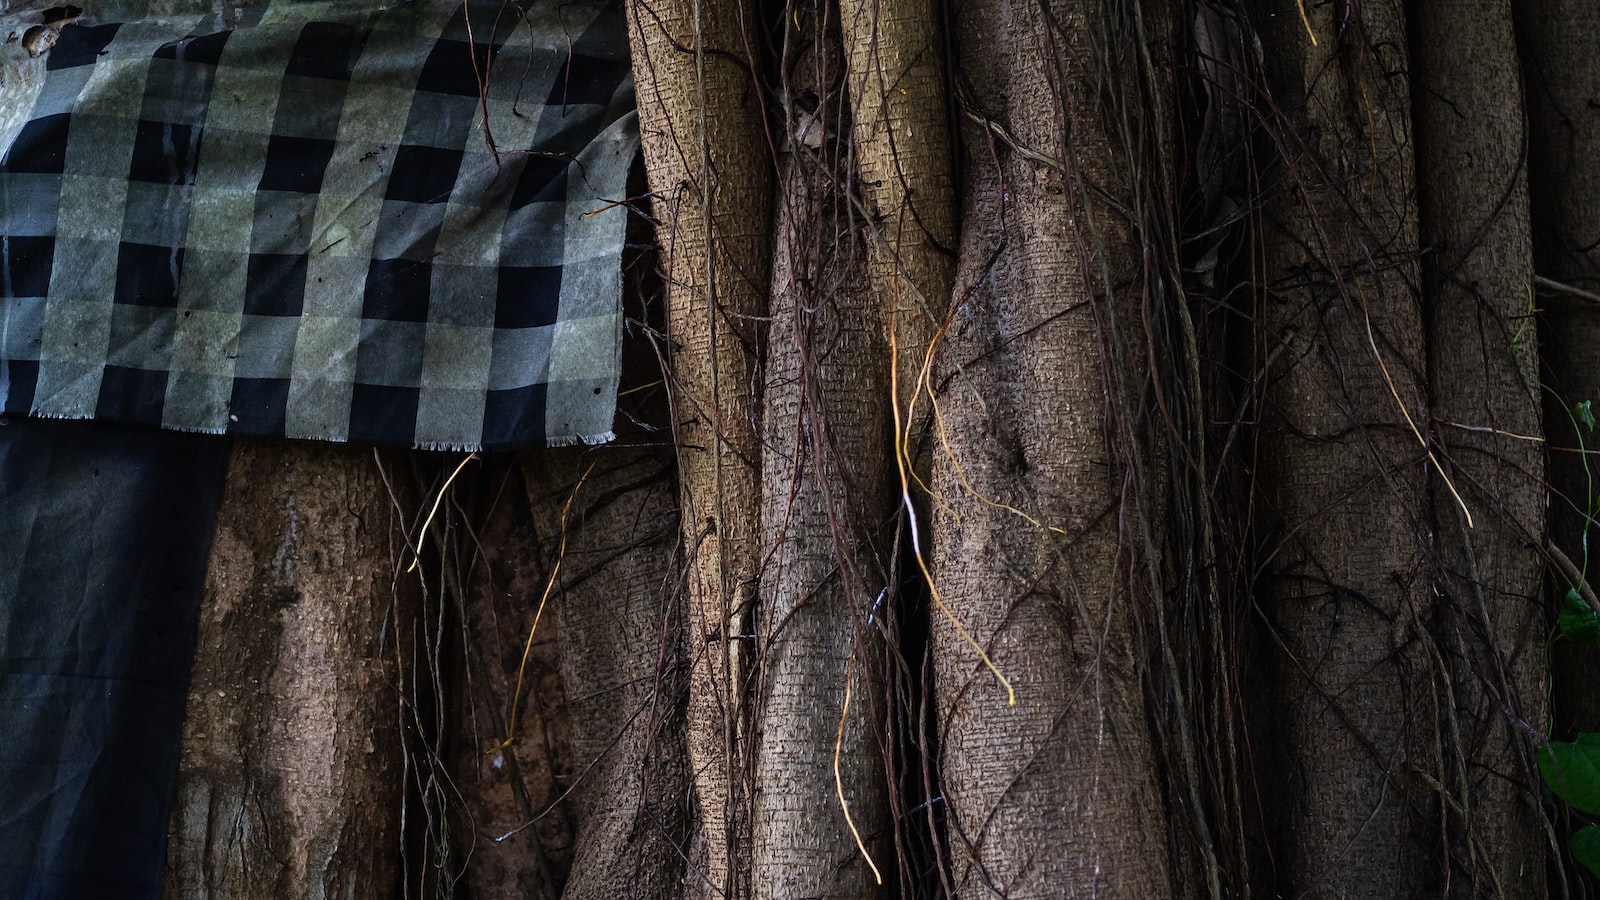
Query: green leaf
[
  {"x": 1585, "y": 847},
  {"x": 1579, "y": 622},
  {"x": 1572, "y": 770},
  {"x": 1584, "y": 414}
]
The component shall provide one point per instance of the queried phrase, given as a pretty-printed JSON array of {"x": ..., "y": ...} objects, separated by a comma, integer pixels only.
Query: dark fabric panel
[{"x": 104, "y": 536}]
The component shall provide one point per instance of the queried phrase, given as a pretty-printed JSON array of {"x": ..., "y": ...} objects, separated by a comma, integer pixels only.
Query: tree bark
[
  {"x": 1560, "y": 41},
  {"x": 1342, "y": 504},
  {"x": 900, "y": 137},
  {"x": 824, "y": 499},
  {"x": 706, "y": 153},
  {"x": 710, "y": 615},
  {"x": 1483, "y": 372},
  {"x": 608, "y": 519},
  {"x": 506, "y": 731},
  {"x": 825, "y": 473},
  {"x": 1057, "y": 795},
  {"x": 292, "y": 773}
]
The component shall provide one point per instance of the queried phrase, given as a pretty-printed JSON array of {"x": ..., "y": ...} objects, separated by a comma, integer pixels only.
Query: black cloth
[{"x": 104, "y": 536}]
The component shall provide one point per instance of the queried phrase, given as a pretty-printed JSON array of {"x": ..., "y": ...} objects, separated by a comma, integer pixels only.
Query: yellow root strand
[
  {"x": 838, "y": 779},
  {"x": 549, "y": 587},
  {"x": 902, "y": 461},
  {"x": 1301, "y": 5},
  {"x": 416, "y": 551}
]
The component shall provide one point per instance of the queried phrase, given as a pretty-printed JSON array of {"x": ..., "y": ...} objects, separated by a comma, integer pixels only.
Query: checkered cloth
[{"x": 319, "y": 220}]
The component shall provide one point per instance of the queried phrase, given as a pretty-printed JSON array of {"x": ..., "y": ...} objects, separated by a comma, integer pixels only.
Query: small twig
[
  {"x": 1383, "y": 368},
  {"x": 1579, "y": 583},
  {"x": 628, "y": 202},
  {"x": 1485, "y": 429},
  {"x": 968, "y": 108},
  {"x": 1551, "y": 284}
]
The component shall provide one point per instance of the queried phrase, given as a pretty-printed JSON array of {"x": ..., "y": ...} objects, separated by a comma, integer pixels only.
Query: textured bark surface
[
  {"x": 292, "y": 773},
  {"x": 1561, "y": 49},
  {"x": 825, "y": 498},
  {"x": 1056, "y": 796},
  {"x": 497, "y": 805},
  {"x": 615, "y": 614},
  {"x": 708, "y": 159},
  {"x": 1342, "y": 499},
  {"x": 900, "y": 134},
  {"x": 713, "y": 600},
  {"x": 1483, "y": 371}
]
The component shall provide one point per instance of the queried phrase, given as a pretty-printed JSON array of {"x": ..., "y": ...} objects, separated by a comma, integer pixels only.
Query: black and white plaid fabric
[{"x": 319, "y": 220}]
